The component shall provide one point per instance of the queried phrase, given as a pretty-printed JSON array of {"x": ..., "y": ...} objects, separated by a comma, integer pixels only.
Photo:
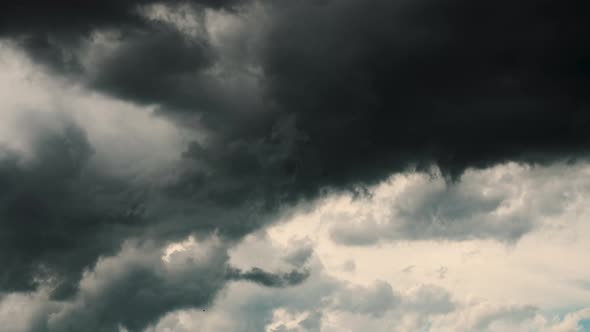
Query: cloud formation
[
  {"x": 405, "y": 83},
  {"x": 332, "y": 300},
  {"x": 502, "y": 203},
  {"x": 272, "y": 104}
]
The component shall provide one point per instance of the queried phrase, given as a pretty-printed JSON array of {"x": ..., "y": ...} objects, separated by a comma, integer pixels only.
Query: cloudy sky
[{"x": 294, "y": 166}]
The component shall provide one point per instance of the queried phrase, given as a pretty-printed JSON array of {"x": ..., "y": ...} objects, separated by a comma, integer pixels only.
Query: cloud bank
[{"x": 147, "y": 122}]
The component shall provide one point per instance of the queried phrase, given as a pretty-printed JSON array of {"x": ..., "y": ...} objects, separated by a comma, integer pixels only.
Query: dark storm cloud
[
  {"x": 59, "y": 212},
  {"x": 57, "y": 215},
  {"x": 61, "y": 216},
  {"x": 350, "y": 91},
  {"x": 155, "y": 65},
  {"x": 382, "y": 84},
  {"x": 374, "y": 86},
  {"x": 152, "y": 63},
  {"x": 76, "y": 17},
  {"x": 135, "y": 288},
  {"x": 363, "y": 89}
]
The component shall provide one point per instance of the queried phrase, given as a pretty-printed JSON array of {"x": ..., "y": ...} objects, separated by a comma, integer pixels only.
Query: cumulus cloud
[
  {"x": 135, "y": 288},
  {"x": 327, "y": 301},
  {"x": 501, "y": 203}
]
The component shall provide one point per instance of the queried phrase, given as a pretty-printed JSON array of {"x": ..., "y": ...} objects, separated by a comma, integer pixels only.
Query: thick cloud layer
[
  {"x": 381, "y": 297},
  {"x": 136, "y": 287},
  {"x": 457, "y": 83},
  {"x": 282, "y": 100},
  {"x": 372, "y": 87},
  {"x": 77, "y": 18},
  {"x": 57, "y": 214}
]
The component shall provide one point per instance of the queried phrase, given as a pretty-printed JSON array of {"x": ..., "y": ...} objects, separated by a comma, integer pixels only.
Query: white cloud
[
  {"x": 423, "y": 282},
  {"x": 128, "y": 139}
]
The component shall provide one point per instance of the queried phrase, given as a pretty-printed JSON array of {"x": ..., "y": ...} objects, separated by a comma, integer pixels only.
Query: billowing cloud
[
  {"x": 409, "y": 83},
  {"x": 333, "y": 300},
  {"x": 136, "y": 287},
  {"x": 147, "y": 122},
  {"x": 76, "y": 18},
  {"x": 80, "y": 177},
  {"x": 501, "y": 203}
]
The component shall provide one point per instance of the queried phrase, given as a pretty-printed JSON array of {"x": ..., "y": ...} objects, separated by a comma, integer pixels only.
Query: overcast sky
[{"x": 294, "y": 166}]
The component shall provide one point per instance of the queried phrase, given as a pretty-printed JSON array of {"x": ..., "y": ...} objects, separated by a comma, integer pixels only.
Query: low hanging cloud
[
  {"x": 264, "y": 110},
  {"x": 502, "y": 203},
  {"x": 70, "y": 197},
  {"x": 329, "y": 301},
  {"x": 136, "y": 287},
  {"x": 413, "y": 83},
  {"x": 434, "y": 85}
]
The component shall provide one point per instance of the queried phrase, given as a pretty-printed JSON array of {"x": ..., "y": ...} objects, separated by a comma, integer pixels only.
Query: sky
[{"x": 294, "y": 166}]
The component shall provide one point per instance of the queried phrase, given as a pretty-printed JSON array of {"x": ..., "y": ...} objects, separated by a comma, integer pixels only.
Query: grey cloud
[
  {"x": 479, "y": 206},
  {"x": 70, "y": 17},
  {"x": 124, "y": 53},
  {"x": 375, "y": 300},
  {"x": 135, "y": 288},
  {"x": 305, "y": 129},
  {"x": 429, "y": 299},
  {"x": 413, "y": 83},
  {"x": 349, "y": 266},
  {"x": 514, "y": 314},
  {"x": 356, "y": 91},
  {"x": 300, "y": 254},
  {"x": 312, "y": 323},
  {"x": 264, "y": 278},
  {"x": 380, "y": 86},
  {"x": 58, "y": 215}
]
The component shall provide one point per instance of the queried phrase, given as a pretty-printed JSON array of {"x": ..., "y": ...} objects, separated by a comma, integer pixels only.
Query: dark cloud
[
  {"x": 62, "y": 217},
  {"x": 148, "y": 61},
  {"x": 154, "y": 65},
  {"x": 431, "y": 299},
  {"x": 374, "y": 87},
  {"x": 77, "y": 18},
  {"x": 135, "y": 288},
  {"x": 58, "y": 215},
  {"x": 264, "y": 278},
  {"x": 345, "y": 93},
  {"x": 60, "y": 212},
  {"x": 380, "y": 85},
  {"x": 359, "y": 90}
]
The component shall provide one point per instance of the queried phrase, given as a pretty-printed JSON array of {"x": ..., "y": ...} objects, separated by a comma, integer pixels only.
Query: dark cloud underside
[
  {"x": 79, "y": 17},
  {"x": 376, "y": 85}
]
